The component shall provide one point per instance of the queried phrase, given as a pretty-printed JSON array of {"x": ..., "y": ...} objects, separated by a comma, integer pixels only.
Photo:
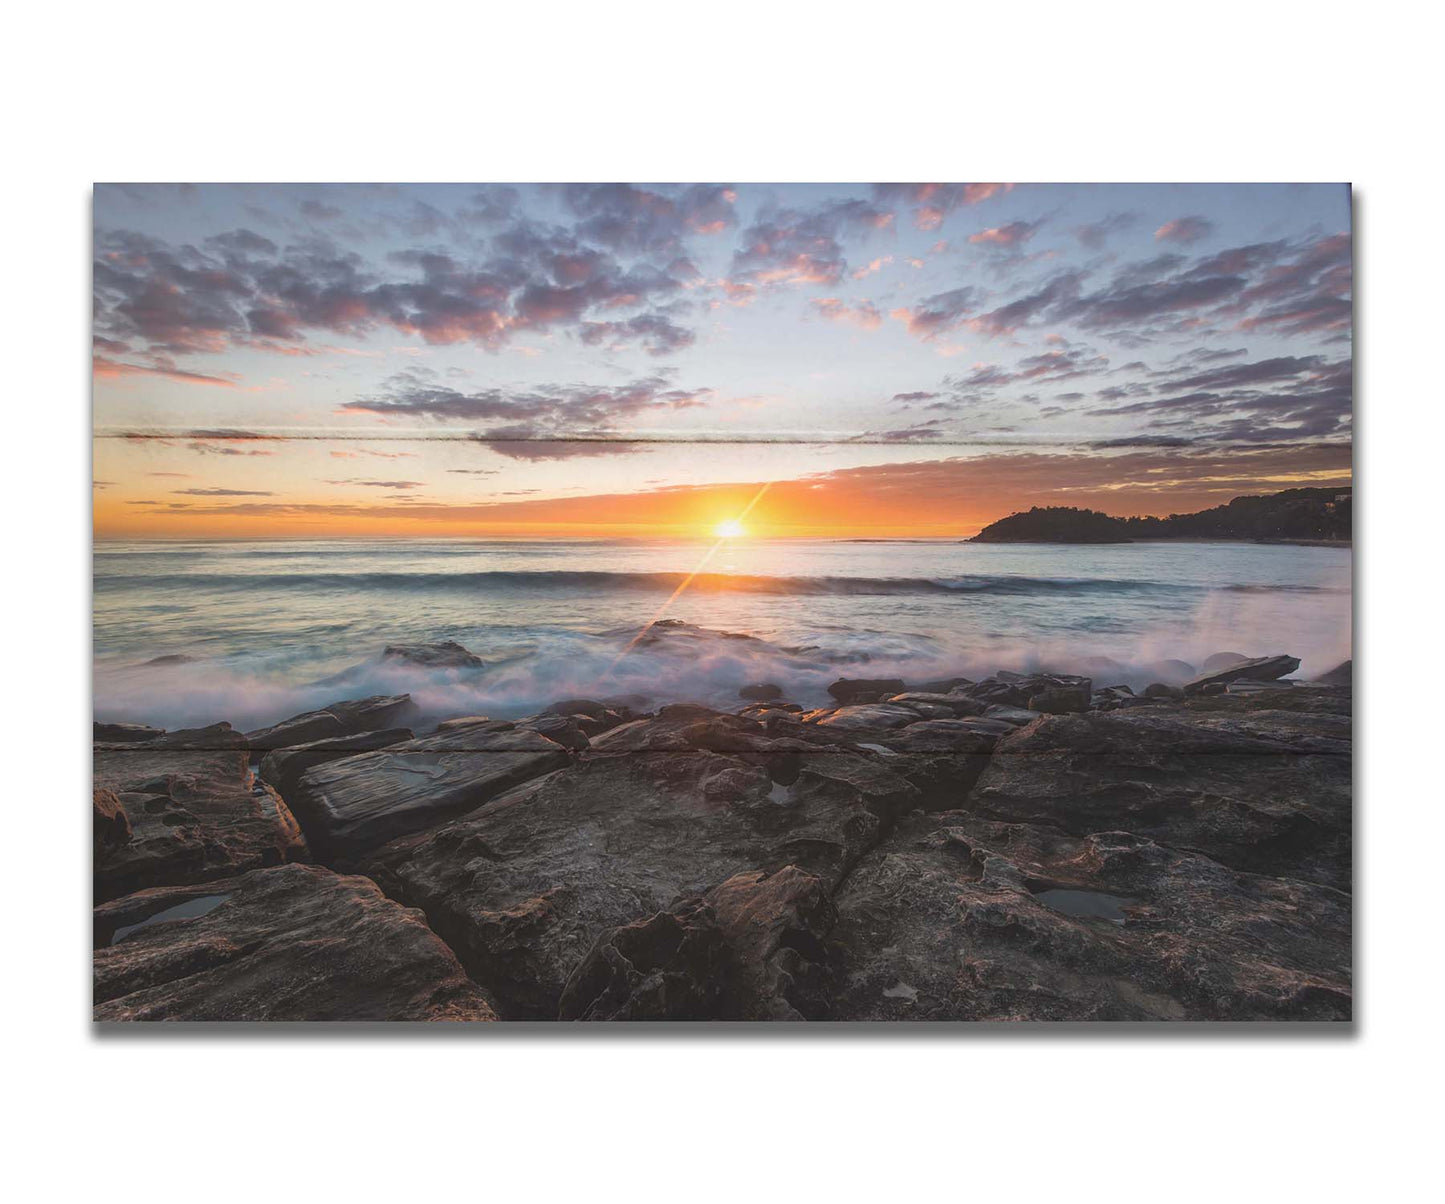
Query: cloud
[
  {"x": 1293, "y": 288},
  {"x": 934, "y": 202},
  {"x": 641, "y": 221},
  {"x": 1094, "y": 235},
  {"x": 161, "y": 366},
  {"x": 864, "y": 315},
  {"x": 223, "y": 492},
  {"x": 956, "y": 494},
  {"x": 801, "y": 246},
  {"x": 1184, "y": 230},
  {"x": 1271, "y": 400},
  {"x": 242, "y": 289},
  {"x": 379, "y": 484},
  {"x": 656, "y": 333},
  {"x": 1012, "y": 235},
  {"x": 544, "y": 422}
]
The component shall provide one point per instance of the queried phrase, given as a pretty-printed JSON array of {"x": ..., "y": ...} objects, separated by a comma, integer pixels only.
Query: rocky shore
[{"x": 1028, "y": 846}]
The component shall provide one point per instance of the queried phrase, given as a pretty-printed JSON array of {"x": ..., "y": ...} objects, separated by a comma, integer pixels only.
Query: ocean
[{"x": 252, "y": 632}]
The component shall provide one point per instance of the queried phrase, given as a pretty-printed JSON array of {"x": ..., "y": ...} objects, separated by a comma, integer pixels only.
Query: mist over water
[{"x": 275, "y": 628}]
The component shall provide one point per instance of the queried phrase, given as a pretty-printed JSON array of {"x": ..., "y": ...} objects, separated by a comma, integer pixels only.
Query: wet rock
[
  {"x": 1255, "y": 802},
  {"x": 299, "y": 729},
  {"x": 560, "y": 729},
  {"x": 1221, "y": 660},
  {"x": 868, "y": 717},
  {"x": 194, "y": 811},
  {"x": 762, "y": 691},
  {"x": 1017, "y": 716},
  {"x": 523, "y": 887},
  {"x": 124, "y": 733},
  {"x": 849, "y": 691},
  {"x": 953, "y": 704},
  {"x": 348, "y": 717},
  {"x": 353, "y": 804},
  {"x": 170, "y": 658},
  {"x": 751, "y": 949},
  {"x": 446, "y": 654},
  {"x": 960, "y": 918},
  {"x": 110, "y": 826},
  {"x": 1015, "y": 689},
  {"x": 291, "y": 943},
  {"x": 1262, "y": 668},
  {"x": 283, "y": 767},
  {"x": 670, "y": 966},
  {"x": 579, "y": 706},
  {"x": 1159, "y": 689},
  {"x": 1060, "y": 700},
  {"x": 1341, "y": 675},
  {"x": 943, "y": 685}
]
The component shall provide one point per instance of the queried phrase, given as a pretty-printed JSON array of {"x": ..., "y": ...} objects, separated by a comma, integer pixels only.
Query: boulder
[
  {"x": 1221, "y": 660},
  {"x": 348, "y": 717},
  {"x": 525, "y": 886},
  {"x": 1259, "y": 802},
  {"x": 1261, "y": 668},
  {"x": 751, "y": 949},
  {"x": 953, "y": 704},
  {"x": 1341, "y": 675},
  {"x": 446, "y": 654},
  {"x": 1015, "y": 689},
  {"x": 1159, "y": 690},
  {"x": 869, "y": 717},
  {"x": 124, "y": 733},
  {"x": 762, "y": 691},
  {"x": 1060, "y": 700},
  {"x": 296, "y": 942},
  {"x": 283, "y": 767},
  {"x": 961, "y": 918},
  {"x": 579, "y": 706},
  {"x": 861, "y": 689},
  {"x": 942, "y": 685},
  {"x": 194, "y": 811},
  {"x": 351, "y": 805},
  {"x": 110, "y": 826}
]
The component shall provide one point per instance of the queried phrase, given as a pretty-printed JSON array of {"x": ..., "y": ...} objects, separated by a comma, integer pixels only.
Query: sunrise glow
[{"x": 729, "y": 529}]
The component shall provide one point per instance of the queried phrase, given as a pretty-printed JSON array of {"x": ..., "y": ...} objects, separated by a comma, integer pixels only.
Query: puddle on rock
[
  {"x": 1086, "y": 904},
  {"x": 190, "y": 909},
  {"x": 780, "y": 794}
]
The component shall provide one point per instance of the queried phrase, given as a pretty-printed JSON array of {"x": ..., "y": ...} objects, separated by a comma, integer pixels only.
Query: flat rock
[
  {"x": 283, "y": 767},
  {"x": 1261, "y": 668},
  {"x": 1060, "y": 700},
  {"x": 954, "y": 704},
  {"x": 349, "y": 717},
  {"x": 124, "y": 733},
  {"x": 1266, "y": 802},
  {"x": 351, "y": 805},
  {"x": 446, "y": 654},
  {"x": 523, "y": 887},
  {"x": 865, "y": 689},
  {"x": 869, "y": 717},
  {"x": 752, "y": 948},
  {"x": 960, "y": 918},
  {"x": 292, "y": 943},
  {"x": 1015, "y": 689},
  {"x": 194, "y": 811}
]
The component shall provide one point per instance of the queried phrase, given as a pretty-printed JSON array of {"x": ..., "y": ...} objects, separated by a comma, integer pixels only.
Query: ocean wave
[{"x": 602, "y": 581}]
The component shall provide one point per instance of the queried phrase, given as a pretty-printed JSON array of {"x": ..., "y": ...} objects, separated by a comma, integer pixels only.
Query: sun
[{"x": 729, "y": 529}]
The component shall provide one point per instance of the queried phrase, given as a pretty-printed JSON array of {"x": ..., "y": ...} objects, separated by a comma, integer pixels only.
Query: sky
[{"x": 567, "y": 360}]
